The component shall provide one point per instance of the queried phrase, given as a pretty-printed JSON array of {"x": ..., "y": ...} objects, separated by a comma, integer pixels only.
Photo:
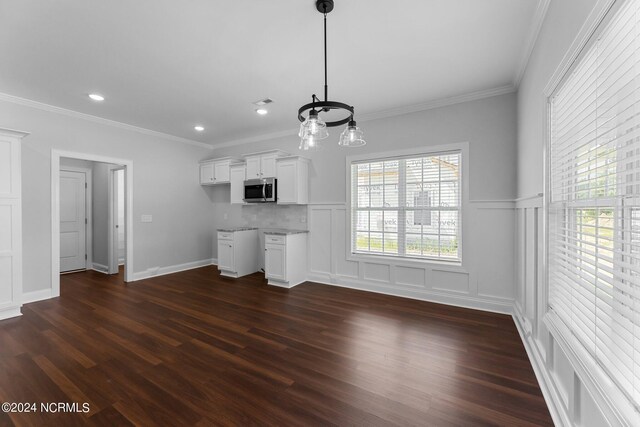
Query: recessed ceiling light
[
  {"x": 96, "y": 97},
  {"x": 262, "y": 111},
  {"x": 199, "y": 128}
]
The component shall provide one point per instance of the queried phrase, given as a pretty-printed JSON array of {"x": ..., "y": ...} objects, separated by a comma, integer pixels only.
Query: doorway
[{"x": 76, "y": 240}]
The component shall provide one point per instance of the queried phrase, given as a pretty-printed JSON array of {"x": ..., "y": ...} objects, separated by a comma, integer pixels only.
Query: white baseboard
[
  {"x": 100, "y": 268},
  {"x": 497, "y": 306},
  {"x": 34, "y": 296},
  {"x": 549, "y": 389},
  {"x": 161, "y": 271},
  {"x": 8, "y": 313}
]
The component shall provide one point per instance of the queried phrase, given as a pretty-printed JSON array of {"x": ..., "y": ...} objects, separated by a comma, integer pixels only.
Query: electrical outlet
[
  {"x": 303, "y": 219},
  {"x": 255, "y": 217},
  {"x": 146, "y": 218},
  {"x": 225, "y": 216}
]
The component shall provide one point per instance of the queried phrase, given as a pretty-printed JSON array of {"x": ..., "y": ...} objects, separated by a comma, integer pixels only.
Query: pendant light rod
[{"x": 326, "y": 87}]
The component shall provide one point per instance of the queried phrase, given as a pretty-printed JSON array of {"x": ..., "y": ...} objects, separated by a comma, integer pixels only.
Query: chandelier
[{"x": 313, "y": 128}]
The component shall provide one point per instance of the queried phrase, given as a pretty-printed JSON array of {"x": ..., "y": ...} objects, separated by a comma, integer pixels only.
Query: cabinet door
[
  {"x": 253, "y": 167},
  {"x": 221, "y": 172},
  {"x": 225, "y": 256},
  {"x": 286, "y": 175},
  {"x": 268, "y": 166},
  {"x": 274, "y": 262},
  {"x": 237, "y": 177},
  {"x": 206, "y": 173}
]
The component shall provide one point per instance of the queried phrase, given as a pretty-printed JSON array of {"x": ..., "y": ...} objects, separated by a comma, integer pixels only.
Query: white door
[
  {"x": 274, "y": 262},
  {"x": 73, "y": 231},
  {"x": 253, "y": 167},
  {"x": 287, "y": 182},
  {"x": 225, "y": 256}
]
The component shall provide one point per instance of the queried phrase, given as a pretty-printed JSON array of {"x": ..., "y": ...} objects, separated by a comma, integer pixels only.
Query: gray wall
[
  {"x": 563, "y": 21},
  {"x": 165, "y": 184},
  {"x": 489, "y": 125}
]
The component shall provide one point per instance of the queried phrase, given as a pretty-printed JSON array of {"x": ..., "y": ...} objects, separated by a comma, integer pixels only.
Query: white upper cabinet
[
  {"x": 253, "y": 167},
  {"x": 216, "y": 171},
  {"x": 292, "y": 174},
  {"x": 237, "y": 176},
  {"x": 263, "y": 165},
  {"x": 206, "y": 173}
]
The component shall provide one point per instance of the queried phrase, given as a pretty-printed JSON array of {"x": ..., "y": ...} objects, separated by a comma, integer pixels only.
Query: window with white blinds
[
  {"x": 407, "y": 206},
  {"x": 594, "y": 205}
]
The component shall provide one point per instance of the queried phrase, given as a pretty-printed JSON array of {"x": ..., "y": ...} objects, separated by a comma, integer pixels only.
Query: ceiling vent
[{"x": 263, "y": 102}]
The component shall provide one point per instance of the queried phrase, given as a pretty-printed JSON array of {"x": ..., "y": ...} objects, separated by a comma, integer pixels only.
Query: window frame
[{"x": 460, "y": 147}]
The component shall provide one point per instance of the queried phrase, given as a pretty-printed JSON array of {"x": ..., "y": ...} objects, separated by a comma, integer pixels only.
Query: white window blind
[
  {"x": 594, "y": 206},
  {"x": 407, "y": 206}
]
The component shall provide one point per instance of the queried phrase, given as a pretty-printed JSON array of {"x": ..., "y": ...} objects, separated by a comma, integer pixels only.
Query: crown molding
[
  {"x": 532, "y": 38},
  {"x": 394, "y": 112},
  {"x": 71, "y": 113},
  {"x": 437, "y": 103}
]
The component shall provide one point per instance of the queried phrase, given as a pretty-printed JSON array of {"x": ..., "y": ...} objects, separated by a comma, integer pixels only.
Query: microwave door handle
[{"x": 264, "y": 192}]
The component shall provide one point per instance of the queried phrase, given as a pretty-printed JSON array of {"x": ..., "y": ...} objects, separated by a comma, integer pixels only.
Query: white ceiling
[{"x": 167, "y": 65}]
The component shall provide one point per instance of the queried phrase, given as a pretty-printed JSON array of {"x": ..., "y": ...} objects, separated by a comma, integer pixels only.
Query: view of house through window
[{"x": 408, "y": 206}]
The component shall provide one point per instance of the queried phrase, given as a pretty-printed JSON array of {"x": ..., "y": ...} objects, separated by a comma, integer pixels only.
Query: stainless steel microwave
[{"x": 263, "y": 190}]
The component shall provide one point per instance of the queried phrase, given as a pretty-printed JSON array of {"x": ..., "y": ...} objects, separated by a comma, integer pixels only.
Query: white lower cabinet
[
  {"x": 238, "y": 252},
  {"x": 285, "y": 259}
]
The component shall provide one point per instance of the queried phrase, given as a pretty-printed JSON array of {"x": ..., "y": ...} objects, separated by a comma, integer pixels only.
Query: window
[
  {"x": 407, "y": 206},
  {"x": 594, "y": 205}
]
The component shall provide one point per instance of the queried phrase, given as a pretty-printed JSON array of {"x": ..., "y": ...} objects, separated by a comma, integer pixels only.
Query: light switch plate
[{"x": 146, "y": 218}]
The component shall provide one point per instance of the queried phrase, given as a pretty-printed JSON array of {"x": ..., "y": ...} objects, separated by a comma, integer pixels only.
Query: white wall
[
  {"x": 571, "y": 400},
  {"x": 165, "y": 185},
  {"x": 485, "y": 279}
]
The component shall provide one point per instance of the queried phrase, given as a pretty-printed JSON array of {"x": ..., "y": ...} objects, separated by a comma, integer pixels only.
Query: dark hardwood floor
[{"x": 194, "y": 348}]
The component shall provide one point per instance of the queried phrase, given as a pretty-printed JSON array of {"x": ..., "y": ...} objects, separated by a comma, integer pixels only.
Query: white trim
[
  {"x": 161, "y": 271},
  {"x": 393, "y": 112},
  {"x": 55, "y": 211},
  {"x": 100, "y": 268},
  {"x": 532, "y": 38},
  {"x": 611, "y": 401},
  {"x": 88, "y": 210},
  {"x": 549, "y": 389},
  {"x": 14, "y": 133},
  {"x": 492, "y": 305},
  {"x": 71, "y": 113},
  {"x": 33, "y": 296},
  {"x": 581, "y": 40},
  {"x": 10, "y": 312}
]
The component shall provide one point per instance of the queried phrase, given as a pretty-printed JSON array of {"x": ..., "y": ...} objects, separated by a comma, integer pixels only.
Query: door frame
[
  {"x": 112, "y": 215},
  {"x": 88, "y": 197},
  {"x": 55, "y": 212}
]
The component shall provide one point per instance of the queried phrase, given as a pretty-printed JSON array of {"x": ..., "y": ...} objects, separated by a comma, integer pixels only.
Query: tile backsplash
[{"x": 261, "y": 215}]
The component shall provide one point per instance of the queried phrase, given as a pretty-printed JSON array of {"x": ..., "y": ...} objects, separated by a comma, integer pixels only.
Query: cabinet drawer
[
  {"x": 269, "y": 238},
  {"x": 225, "y": 235}
]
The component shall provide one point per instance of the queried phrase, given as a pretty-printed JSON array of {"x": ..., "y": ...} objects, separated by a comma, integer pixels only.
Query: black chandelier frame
[{"x": 324, "y": 7}]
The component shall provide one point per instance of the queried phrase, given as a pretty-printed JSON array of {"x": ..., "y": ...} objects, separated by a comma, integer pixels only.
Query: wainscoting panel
[{"x": 483, "y": 281}]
